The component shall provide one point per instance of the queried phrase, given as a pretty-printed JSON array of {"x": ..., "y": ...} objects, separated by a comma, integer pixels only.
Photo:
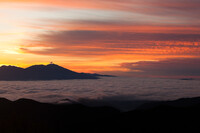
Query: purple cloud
[{"x": 170, "y": 67}]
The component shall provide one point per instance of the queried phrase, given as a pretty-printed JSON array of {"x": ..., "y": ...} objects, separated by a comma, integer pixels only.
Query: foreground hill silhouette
[
  {"x": 28, "y": 116},
  {"x": 42, "y": 72}
]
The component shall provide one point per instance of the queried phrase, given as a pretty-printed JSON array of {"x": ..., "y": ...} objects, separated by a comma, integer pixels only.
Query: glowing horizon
[{"x": 100, "y": 36}]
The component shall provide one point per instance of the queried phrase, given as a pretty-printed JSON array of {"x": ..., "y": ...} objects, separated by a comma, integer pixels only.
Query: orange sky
[{"x": 99, "y": 35}]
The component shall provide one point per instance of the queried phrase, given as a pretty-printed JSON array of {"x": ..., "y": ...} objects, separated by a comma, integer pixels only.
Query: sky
[{"x": 150, "y": 38}]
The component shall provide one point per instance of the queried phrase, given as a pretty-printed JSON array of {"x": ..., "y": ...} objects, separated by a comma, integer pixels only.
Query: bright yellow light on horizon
[{"x": 10, "y": 52}]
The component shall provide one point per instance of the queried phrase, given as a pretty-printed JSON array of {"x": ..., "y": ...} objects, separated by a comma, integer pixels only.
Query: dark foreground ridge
[
  {"x": 28, "y": 116},
  {"x": 42, "y": 72}
]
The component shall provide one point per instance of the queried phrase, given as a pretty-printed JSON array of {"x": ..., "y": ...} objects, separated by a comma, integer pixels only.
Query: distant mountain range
[{"x": 42, "y": 72}]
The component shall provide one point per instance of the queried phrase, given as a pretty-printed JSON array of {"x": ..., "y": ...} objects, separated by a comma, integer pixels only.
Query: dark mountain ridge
[
  {"x": 42, "y": 72},
  {"x": 29, "y": 116}
]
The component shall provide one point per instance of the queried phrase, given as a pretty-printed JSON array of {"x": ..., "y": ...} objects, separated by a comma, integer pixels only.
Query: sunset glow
[{"x": 100, "y": 36}]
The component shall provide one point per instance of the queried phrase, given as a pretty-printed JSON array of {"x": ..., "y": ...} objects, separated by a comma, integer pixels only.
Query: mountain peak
[
  {"x": 53, "y": 65},
  {"x": 41, "y": 72}
]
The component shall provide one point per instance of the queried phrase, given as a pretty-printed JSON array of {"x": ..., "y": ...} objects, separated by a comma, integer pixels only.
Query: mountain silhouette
[
  {"x": 42, "y": 72},
  {"x": 29, "y": 116}
]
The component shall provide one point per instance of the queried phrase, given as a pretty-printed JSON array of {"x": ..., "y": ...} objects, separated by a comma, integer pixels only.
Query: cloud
[
  {"x": 101, "y": 43},
  {"x": 85, "y": 36},
  {"x": 121, "y": 24},
  {"x": 180, "y": 8},
  {"x": 76, "y": 52},
  {"x": 166, "y": 68}
]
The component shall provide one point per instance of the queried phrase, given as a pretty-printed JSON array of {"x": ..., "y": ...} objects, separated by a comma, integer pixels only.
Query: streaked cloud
[
  {"x": 109, "y": 41},
  {"x": 185, "y": 67},
  {"x": 153, "y": 7}
]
